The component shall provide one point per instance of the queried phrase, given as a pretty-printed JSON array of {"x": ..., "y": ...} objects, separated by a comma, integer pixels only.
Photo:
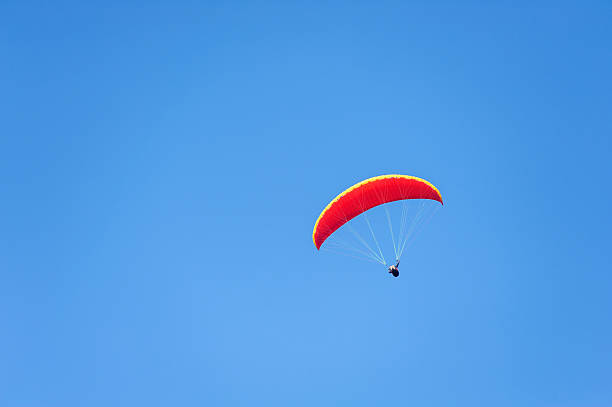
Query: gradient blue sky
[{"x": 162, "y": 165}]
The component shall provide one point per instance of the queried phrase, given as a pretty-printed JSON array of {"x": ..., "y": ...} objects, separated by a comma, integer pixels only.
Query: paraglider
[
  {"x": 362, "y": 197},
  {"x": 393, "y": 269}
]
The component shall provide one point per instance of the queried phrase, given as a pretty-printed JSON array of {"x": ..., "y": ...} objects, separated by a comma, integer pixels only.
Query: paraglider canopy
[{"x": 366, "y": 195}]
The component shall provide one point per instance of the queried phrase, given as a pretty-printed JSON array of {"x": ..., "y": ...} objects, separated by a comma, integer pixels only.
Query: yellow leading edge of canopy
[{"x": 346, "y": 191}]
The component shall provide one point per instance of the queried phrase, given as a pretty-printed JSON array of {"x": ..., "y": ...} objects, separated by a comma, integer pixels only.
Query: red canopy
[{"x": 366, "y": 195}]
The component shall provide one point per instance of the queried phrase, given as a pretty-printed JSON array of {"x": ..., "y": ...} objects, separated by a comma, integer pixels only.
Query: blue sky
[{"x": 162, "y": 165}]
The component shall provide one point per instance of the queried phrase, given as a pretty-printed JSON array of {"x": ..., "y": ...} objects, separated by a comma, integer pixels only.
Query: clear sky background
[{"x": 162, "y": 165}]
